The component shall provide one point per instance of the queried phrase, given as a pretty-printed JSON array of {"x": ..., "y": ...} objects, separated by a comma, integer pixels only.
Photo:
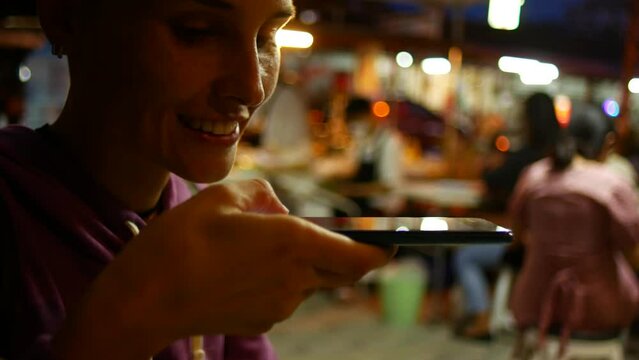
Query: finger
[
  {"x": 331, "y": 280},
  {"x": 337, "y": 254}
]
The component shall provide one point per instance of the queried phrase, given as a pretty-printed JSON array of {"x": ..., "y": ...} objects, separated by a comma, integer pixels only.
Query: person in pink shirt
[{"x": 579, "y": 223}]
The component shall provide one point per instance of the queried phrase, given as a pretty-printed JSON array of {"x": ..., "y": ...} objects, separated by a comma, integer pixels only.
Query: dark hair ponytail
[
  {"x": 585, "y": 135},
  {"x": 564, "y": 151}
]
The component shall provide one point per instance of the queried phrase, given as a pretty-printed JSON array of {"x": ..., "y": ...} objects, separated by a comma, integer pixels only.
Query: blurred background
[{"x": 400, "y": 108}]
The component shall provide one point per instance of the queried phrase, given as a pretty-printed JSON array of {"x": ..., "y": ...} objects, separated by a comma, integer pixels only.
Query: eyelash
[{"x": 193, "y": 35}]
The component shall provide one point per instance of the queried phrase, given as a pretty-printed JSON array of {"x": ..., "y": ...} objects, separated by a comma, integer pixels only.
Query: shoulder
[
  {"x": 537, "y": 171},
  {"x": 24, "y": 146},
  {"x": 622, "y": 166},
  {"x": 603, "y": 184},
  {"x": 603, "y": 173},
  {"x": 15, "y": 136}
]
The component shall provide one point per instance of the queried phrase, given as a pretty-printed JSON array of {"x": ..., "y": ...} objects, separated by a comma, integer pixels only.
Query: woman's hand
[{"x": 228, "y": 261}]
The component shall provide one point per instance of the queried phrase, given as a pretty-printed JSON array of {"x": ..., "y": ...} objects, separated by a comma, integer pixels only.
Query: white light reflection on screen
[
  {"x": 402, "y": 228},
  {"x": 433, "y": 224}
]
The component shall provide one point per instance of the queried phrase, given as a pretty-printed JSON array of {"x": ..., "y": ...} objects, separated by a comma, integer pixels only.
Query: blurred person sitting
[
  {"x": 372, "y": 165},
  {"x": 541, "y": 129},
  {"x": 576, "y": 218},
  {"x": 472, "y": 262}
]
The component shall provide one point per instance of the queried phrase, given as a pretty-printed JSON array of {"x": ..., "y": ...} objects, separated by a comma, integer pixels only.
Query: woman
[
  {"x": 100, "y": 261},
  {"x": 576, "y": 218},
  {"x": 472, "y": 262}
]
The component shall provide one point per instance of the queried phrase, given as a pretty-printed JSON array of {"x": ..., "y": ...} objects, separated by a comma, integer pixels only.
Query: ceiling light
[
  {"x": 531, "y": 72},
  {"x": 436, "y": 66},
  {"x": 294, "y": 39},
  {"x": 504, "y": 14}
]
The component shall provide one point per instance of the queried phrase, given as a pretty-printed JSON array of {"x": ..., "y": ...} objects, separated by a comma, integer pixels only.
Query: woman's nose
[{"x": 244, "y": 75}]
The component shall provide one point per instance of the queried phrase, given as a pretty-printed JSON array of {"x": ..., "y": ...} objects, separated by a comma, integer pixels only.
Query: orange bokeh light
[
  {"x": 502, "y": 143},
  {"x": 563, "y": 110},
  {"x": 381, "y": 109}
]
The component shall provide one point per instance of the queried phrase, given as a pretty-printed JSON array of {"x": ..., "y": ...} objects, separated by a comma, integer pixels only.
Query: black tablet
[{"x": 417, "y": 231}]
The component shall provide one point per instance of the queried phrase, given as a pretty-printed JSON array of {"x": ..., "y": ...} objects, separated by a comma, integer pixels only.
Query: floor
[{"x": 324, "y": 328}]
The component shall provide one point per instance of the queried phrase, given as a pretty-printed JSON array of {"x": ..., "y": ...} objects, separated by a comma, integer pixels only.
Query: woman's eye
[{"x": 191, "y": 34}]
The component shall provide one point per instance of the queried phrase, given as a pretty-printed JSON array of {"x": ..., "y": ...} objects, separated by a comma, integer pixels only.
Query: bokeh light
[
  {"x": 404, "y": 59},
  {"x": 436, "y": 66},
  {"x": 563, "y": 110},
  {"x": 611, "y": 108},
  {"x": 502, "y": 143},
  {"x": 504, "y": 14},
  {"x": 24, "y": 73},
  {"x": 381, "y": 109},
  {"x": 294, "y": 39},
  {"x": 309, "y": 17}
]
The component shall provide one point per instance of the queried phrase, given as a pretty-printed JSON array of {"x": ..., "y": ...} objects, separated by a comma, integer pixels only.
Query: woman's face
[{"x": 176, "y": 81}]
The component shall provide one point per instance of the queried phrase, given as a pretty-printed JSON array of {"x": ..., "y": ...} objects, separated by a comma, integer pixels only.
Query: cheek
[{"x": 270, "y": 72}]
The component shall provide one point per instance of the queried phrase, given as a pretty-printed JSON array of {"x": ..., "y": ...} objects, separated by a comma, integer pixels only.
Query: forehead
[{"x": 235, "y": 7}]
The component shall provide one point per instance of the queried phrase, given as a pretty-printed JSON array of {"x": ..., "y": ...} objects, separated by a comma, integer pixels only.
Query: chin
[
  {"x": 205, "y": 177},
  {"x": 203, "y": 169}
]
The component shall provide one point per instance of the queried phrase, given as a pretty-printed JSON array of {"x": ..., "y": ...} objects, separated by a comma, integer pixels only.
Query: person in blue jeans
[{"x": 471, "y": 264}]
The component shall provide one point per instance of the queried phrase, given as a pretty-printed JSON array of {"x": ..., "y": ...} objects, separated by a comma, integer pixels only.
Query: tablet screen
[{"x": 417, "y": 230}]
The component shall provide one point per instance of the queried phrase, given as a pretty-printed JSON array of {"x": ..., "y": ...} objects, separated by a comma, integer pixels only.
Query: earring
[{"x": 57, "y": 50}]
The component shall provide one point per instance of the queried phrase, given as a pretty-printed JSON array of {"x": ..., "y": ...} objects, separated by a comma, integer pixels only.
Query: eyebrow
[
  {"x": 219, "y": 4},
  {"x": 288, "y": 12}
]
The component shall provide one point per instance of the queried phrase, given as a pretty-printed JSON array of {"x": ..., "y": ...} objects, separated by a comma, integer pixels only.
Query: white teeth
[
  {"x": 218, "y": 129},
  {"x": 225, "y": 128},
  {"x": 213, "y": 127},
  {"x": 232, "y": 127}
]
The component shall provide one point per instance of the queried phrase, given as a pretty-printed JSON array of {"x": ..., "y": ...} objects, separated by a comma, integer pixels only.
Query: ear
[
  {"x": 610, "y": 141},
  {"x": 56, "y": 19}
]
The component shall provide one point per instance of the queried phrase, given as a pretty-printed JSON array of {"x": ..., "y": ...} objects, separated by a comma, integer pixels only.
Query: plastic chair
[
  {"x": 500, "y": 317},
  {"x": 607, "y": 346}
]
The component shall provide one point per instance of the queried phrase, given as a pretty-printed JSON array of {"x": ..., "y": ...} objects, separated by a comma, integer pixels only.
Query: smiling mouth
[{"x": 210, "y": 127}]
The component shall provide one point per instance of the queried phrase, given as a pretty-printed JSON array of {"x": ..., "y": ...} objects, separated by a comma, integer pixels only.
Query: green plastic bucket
[{"x": 402, "y": 289}]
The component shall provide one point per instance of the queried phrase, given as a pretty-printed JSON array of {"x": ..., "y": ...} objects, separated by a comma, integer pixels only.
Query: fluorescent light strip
[{"x": 294, "y": 39}]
